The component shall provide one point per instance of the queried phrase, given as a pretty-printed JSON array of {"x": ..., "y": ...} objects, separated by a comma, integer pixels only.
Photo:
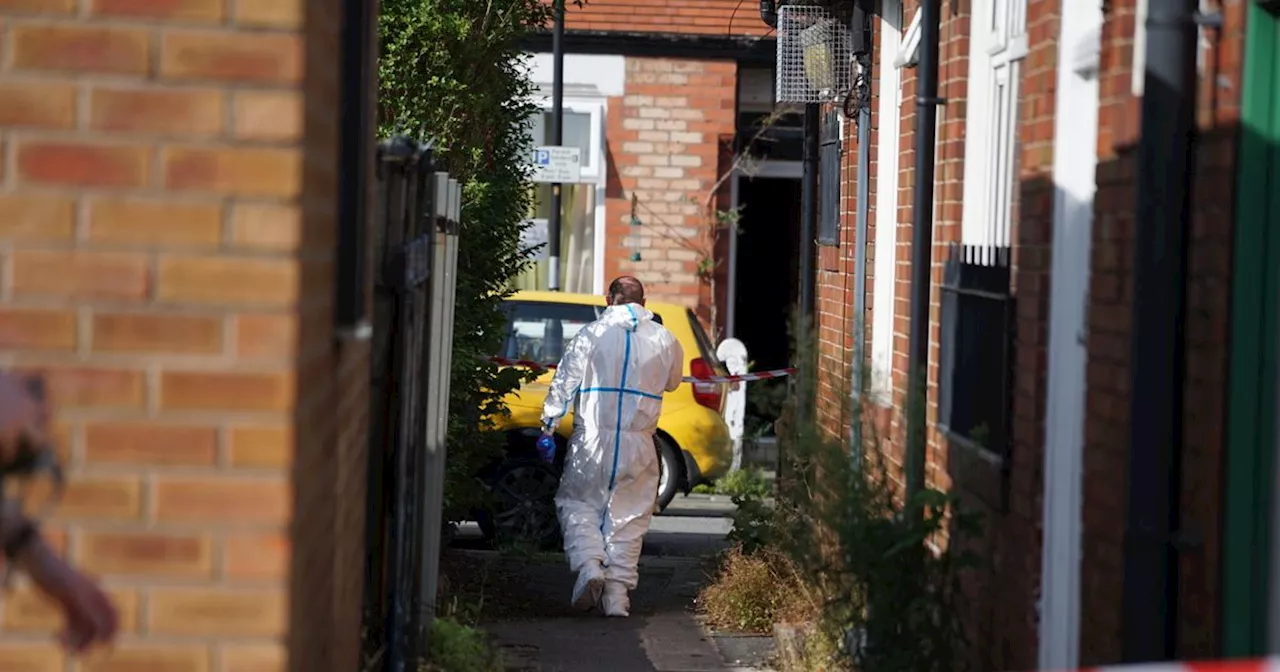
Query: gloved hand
[{"x": 547, "y": 448}]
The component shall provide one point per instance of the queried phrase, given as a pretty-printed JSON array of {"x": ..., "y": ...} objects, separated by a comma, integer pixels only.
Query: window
[
  {"x": 998, "y": 44},
  {"x": 539, "y": 331},
  {"x": 581, "y": 206},
  {"x": 975, "y": 403},
  {"x": 829, "y": 180},
  {"x": 582, "y": 129},
  {"x": 578, "y": 231}
]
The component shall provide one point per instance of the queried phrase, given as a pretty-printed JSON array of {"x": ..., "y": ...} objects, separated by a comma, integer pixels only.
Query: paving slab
[{"x": 661, "y": 635}]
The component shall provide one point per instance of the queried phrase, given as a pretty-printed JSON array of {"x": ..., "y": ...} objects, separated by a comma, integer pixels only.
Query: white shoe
[
  {"x": 587, "y": 589},
  {"x": 616, "y": 603}
]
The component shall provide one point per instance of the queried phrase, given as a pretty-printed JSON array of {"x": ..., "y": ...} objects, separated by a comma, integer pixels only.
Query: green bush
[
  {"x": 459, "y": 648},
  {"x": 452, "y": 71}
]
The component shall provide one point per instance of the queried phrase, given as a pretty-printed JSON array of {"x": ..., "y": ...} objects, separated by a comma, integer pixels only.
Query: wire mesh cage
[{"x": 814, "y": 55}]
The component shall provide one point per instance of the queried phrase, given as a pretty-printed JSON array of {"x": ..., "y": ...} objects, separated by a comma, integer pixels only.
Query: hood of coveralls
[{"x": 627, "y": 315}]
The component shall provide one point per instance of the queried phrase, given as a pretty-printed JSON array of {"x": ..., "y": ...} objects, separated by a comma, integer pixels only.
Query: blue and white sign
[{"x": 557, "y": 164}]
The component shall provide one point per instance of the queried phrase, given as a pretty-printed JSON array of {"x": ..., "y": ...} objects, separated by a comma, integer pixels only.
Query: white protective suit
[{"x": 614, "y": 373}]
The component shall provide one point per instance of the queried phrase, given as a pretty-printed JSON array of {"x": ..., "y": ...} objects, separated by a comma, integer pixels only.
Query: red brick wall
[
  {"x": 166, "y": 220},
  {"x": 715, "y": 18},
  {"x": 663, "y": 142},
  {"x": 1111, "y": 303},
  {"x": 1001, "y": 612}
]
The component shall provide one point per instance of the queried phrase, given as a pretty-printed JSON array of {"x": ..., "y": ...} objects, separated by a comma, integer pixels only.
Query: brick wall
[
  {"x": 713, "y": 18},
  {"x": 1001, "y": 613},
  {"x": 166, "y": 236},
  {"x": 664, "y": 152},
  {"x": 1111, "y": 303}
]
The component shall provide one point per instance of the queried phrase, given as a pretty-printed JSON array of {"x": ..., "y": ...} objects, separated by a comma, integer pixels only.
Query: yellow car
[{"x": 692, "y": 438}]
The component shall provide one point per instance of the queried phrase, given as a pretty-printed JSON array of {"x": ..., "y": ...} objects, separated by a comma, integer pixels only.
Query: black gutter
[
  {"x": 927, "y": 102},
  {"x": 749, "y": 50},
  {"x": 1157, "y": 356}
]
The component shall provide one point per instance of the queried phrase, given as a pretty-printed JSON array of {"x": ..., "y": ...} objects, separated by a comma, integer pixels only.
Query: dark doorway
[{"x": 768, "y": 263}]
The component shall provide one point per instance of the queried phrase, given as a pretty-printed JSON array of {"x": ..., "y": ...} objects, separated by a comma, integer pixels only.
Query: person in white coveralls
[{"x": 613, "y": 373}]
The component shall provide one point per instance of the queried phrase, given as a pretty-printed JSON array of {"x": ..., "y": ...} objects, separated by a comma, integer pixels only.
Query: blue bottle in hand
[{"x": 547, "y": 448}]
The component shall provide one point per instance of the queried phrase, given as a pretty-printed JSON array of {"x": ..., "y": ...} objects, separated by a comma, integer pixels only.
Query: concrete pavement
[{"x": 662, "y": 634}]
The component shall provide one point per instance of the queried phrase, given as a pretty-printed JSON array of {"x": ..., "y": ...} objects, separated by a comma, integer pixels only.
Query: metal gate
[{"x": 415, "y": 248}]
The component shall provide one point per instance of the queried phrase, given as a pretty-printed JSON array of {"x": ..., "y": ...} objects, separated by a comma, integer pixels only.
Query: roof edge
[{"x": 740, "y": 48}]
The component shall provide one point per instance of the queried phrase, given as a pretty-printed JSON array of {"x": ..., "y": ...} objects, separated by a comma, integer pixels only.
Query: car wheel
[
  {"x": 524, "y": 509},
  {"x": 669, "y": 470}
]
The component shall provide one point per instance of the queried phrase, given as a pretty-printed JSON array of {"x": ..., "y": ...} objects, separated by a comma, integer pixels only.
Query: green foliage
[
  {"x": 745, "y": 482},
  {"x": 460, "y": 648},
  {"x": 765, "y": 399},
  {"x": 753, "y": 524},
  {"x": 453, "y": 71},
  {"x": 887, "y": 569}
]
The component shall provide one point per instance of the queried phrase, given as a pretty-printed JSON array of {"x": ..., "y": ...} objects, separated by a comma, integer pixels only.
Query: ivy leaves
[{"x": 452, "y": 71}]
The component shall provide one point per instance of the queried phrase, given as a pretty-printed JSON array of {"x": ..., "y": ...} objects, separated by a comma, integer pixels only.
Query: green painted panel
[{"x": 1251, "y": 425}]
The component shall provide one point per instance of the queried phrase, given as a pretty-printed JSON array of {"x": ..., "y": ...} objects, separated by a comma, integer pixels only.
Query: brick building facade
[
  {"x": 658, "y": 89},
  {"x": 1013, "y": 604},
  {"x": 167, "y": 227}
]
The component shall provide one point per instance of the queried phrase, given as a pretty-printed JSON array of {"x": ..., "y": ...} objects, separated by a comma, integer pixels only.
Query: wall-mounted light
[{"x": 769, "y": 12}]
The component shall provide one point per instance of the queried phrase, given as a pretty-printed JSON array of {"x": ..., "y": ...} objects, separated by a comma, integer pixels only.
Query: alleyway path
[{"x": 662, "y": 634}]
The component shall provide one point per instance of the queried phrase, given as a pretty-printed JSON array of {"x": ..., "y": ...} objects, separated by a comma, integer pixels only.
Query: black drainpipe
[
  {"x": 808, "y": 251},
  {"x": 1155, "y": 403},
  {"x": 861, "y": 98},
  {"x": 357, "y": 135},
  {"x": 809, "y": 208},
  {"x": 927, "y": 102}
]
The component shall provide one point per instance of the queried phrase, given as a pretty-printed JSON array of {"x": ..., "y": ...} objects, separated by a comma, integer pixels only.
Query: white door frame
[
  {"x": 771, "y": 170},
  {"x": 1075, "y": 167}
]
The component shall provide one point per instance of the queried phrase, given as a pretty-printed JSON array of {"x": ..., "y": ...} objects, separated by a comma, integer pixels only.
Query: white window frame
[
  {"x": 998, "y": 43},
  {"x": 895, "y": 51},
  {"x": 593, "y": 168}
]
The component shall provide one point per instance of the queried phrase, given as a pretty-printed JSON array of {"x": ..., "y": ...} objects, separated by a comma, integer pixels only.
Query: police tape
[
  {"x": 1257, "y": 665},
  {"x": 741, "y": 378}
]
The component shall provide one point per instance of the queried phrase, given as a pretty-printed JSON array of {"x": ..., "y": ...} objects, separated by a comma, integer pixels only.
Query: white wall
[{"x": 606, "y": 74}]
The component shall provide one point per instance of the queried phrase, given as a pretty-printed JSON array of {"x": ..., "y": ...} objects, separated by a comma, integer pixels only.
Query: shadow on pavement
[{"x": 524, "y": 602}]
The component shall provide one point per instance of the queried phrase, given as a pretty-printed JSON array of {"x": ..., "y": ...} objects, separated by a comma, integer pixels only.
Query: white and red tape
[
  {"x": 1261, "y": 665},
  {"x": 743, "y": 378}
]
